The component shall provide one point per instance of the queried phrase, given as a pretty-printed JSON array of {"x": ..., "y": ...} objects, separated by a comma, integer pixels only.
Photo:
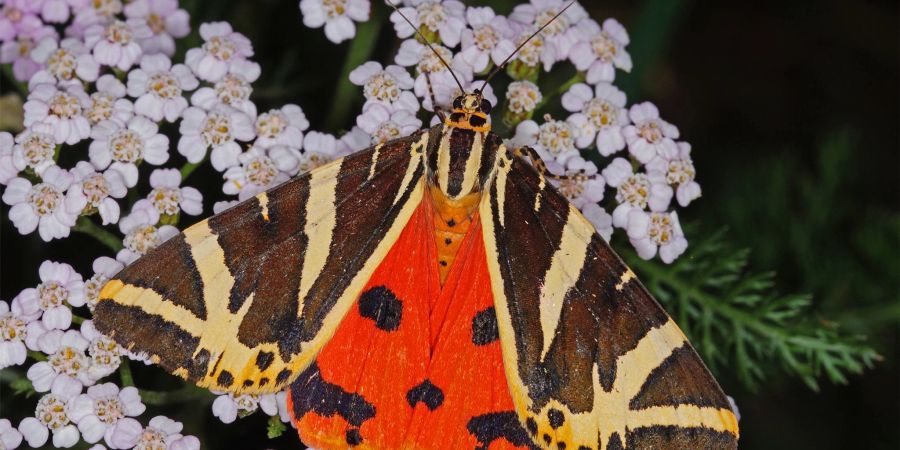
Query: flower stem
[
  {"x": 188, "y": 168},
  {"x": 125, "y": 373},
  {"x": 186, "y": 394},
  {"x": 20, "y": 86},
  {"x": 87, "y": 226},
  {"x": 37, "y": 356},
  {"x": 361, "y": 49}
]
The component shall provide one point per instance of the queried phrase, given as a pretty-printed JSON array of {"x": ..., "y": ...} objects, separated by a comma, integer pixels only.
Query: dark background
[{"x": 792, "y": 110}]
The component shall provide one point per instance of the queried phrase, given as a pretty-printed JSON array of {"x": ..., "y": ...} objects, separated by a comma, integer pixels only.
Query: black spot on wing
[
  {"x": 225, "y": 379},
  {"x": 484, "y": 327},
  {"x": 381, "y": 306},
  {"x": 427, "y": 393},
  {"x": 491, "y": 427},
  {"x": 556, "y": 418},
  {"x": 264, "y": 360},
  {"x": 311, "y": 394},
  {"x": 353, "y": 437},
  {"x": 282, "y": 376}
]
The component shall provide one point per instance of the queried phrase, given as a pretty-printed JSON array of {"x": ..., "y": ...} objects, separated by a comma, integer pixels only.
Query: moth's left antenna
[{"x": 419, "y": 33}]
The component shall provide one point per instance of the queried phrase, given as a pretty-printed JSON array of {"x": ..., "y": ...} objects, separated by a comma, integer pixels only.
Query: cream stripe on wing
[
  {"x": 318, "y": 231},
  {"x": 443, "y": 161},
  {"x": 416, "y": 150},
  {"x": 374, "y": 161},
  {"x": 565, "y": 268},
  {"x": 473, "y": 164}
]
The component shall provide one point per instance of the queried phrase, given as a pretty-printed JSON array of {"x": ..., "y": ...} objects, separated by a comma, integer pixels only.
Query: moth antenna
[
  {"x": 503, "y": 64},
  {"x": 419, "y": 33}
]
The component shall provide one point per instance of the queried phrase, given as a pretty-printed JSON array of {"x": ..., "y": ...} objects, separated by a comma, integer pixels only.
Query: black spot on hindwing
[
  {"x": 311, "y": 393},
  {"x": 484, "y": 327},
  {"x": 427, "y": 393},
  {"x": 488, "y": 428},
  {"x": 382, "y": 306}
]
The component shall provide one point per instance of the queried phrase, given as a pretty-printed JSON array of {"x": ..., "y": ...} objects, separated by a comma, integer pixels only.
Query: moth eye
[
  {"x": 485, "y": 106},
  {"x": 457, "y": 103}
]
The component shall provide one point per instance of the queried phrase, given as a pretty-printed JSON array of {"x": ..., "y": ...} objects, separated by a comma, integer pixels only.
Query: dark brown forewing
[
  {"x": 220, "y": 303},
  {"x": 597, "y": 360}
]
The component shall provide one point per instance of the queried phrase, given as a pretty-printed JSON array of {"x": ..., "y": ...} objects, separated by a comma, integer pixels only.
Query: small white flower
[
  {"x": 12, "y": 340},
  {"x": 58, "y": 11},
  {"x": 61, "y": 109},
  {"x": 488, "y": 40},
  {"x": 219, "y": 129},
  {"x": 553, "y": 139},
  {"x": 158, "y": 85},
  {"x": 388, "y": 85},
  {"x": 104, "y": 269},
  {"x": 116, "y": 44},
  {"x": 444, "y": 18},
  {"x": 583, "y": 185},
  {"x": 43, "y": 206},
  {"x": 353, "y": 141},
  {"x": 165, "y": 20},
  {"x": 99, "y": 191},
  {"x": 256, "y": 173},
  {"x": 635, "y": 191},
  {"x": 63, "y": 61},
  {"x": 60, "y": 284},
  {"x": 141, "y": 233},
  {"x": 430, "y": 70},
  {"x": 679, "y": 172},
  {"x": 51, "y": 416},
  {"x": 18, "y": 52},
  {"x": 322, "y": 144},
  {"x": 385, "y": 124},
  {"x": 87, "y": 14},
  {"x": 534, "y": 49},
  {"x": 8, "y": 169},
  {"x": 10, "y": 437},
  {"x": 336, "y": 15},
  {"x": 222, "y": 46},
  {"x": 66, "y": 364},
  {"x": 165, "y": 433},
  {"x": 650, "y": 136},
  {"x": 538, "y": 13},
  {"x": 600, "y": 50},
  {"x": 105, "y": 412},
  {"x": 523, "y": 97},
  {"x": 169, "y": 198},
  {"x": 604, "y": 107},
  {"x": 281, "y": 127},
  {"x": 233, "y": 89},
  {"x": 107, "y": 103},
  {"x": 122, "y": 147},
  {"x": 227, "y": 406},
  {"x": 218, "y": 207},
  {"x": 105, "y": 353},
  {"x": 649, "y": 232},
  {"x": 34, "y": 149}
]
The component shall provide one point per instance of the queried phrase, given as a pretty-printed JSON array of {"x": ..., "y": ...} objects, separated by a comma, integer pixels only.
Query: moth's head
[{"x": 470, "y": 111}]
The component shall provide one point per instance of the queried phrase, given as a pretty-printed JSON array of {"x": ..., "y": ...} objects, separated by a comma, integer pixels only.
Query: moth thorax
[
  {"x": 470, "y": 111},
  {"x": 458, "y": 164}
]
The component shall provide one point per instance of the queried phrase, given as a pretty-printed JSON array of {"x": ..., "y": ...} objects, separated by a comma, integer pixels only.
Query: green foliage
[{"x": 735, "y": 317}]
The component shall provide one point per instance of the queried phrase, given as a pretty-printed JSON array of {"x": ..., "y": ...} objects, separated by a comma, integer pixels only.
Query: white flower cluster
[{"x": 474, "y": 40}]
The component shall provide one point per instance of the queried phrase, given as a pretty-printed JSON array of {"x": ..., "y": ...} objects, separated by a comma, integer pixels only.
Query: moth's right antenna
[
  {"x": 419, "y": 33},
  {"x": 503, "y": 64}
]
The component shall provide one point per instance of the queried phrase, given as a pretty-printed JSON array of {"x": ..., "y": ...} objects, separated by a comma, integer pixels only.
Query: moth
[{"x": 431, "y": 292}]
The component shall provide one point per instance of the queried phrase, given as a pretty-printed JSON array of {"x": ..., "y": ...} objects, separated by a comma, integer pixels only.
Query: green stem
[
  {"x": 20, "y": 86},
  {"x": 125, "y": 373},
  {"x": 188, "y": 168},
  {"x": 88, "y": 227},
  {"x": 360, "y": 51},
  {"x": 77, "y": 320},
  {"x": 186, "y": 394},
  {"x": 37, "y": 356}
]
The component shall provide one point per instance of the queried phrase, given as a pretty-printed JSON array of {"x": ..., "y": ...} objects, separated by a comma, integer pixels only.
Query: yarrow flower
[
  {"x": 256, "y": 173},
  {"x": 105, "y": 353},
  {"x": 281, "y": 127},
  {"x": 635, "y": 191},
  {"x": 158, "y": 86},
  {"x": 650, "y": 136},
  {"x": 219, "y": 129},
  {"x": 98, "y": 191},
  {"x": 522, "y": 98},
  {"x": 222, "y": 47},
  {"x": 43, "y": 206},
  {"x": 10, "y": 437},
  {"x": 553, "y": 139},
  {"x": 384, "y": 123},
  {"x": 60, "y": 286},
  {"x": 116, "y": 44},
  {"x": 386, "y": 84},
  {"x": 141, "y": 232},
  {"x": 233, "y": 89},
  {"x": 169, "y": 198},
  {"x": 51, "y": 415},
  {"x": 652, "y": 232},
  {"x": 489, "y": 40},
  {"x": 165, "y": 433},
  {"x": 104, "y": 268},
  {"x": 444, "y": 19},
  {"x": 65, "y": 61},
  {"x": 35, "y": 150},
  {"x": 62, "y": 110},
  {"x": 12, "y": 339},
  {"x": 165, "y": 20},
  {"x": 121, "y": 147},
  {"x": 67, "y": 362},
  {"x": 604, "y": 110},
  {"x": 107, "y": 102},
  {"x": 600, "y": 50},
  {"x": 105, "y": 412},
  {"x": 336, "y": 15}
]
